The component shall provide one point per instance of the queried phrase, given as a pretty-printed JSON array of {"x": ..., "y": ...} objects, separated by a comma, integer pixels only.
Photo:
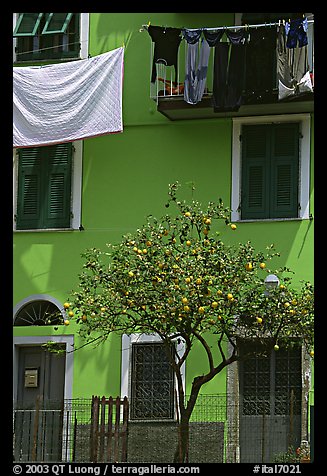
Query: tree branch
[{"x": 206, "y": 348}]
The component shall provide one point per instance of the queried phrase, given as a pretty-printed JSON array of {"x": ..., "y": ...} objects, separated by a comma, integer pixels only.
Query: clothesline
[{"x": 234, "y": 27}]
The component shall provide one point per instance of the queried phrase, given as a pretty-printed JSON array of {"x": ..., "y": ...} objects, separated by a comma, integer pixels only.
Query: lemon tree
[{"x": 178, "y": 277}]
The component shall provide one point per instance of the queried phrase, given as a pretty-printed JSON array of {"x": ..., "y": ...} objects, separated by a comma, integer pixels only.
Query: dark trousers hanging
[{"x": 228, "y": 77}]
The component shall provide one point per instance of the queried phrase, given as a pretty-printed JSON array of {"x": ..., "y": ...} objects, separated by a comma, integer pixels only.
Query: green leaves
[{"x": 175, "y": 276}]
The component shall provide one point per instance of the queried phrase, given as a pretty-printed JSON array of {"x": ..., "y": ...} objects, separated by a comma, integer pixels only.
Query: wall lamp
[{"x": 271, "y": 283}]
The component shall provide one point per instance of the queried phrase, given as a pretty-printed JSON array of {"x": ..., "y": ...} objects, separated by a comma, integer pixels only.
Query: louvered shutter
[
  {"x": 29, "y": 213},
  {"x": 270, "y": 171},
  {"x": 58, "y": 178},
  {"x": 44, "y": 187},
  {"x": 284, "y": 171},
  {"x": 255, "y": 169}
]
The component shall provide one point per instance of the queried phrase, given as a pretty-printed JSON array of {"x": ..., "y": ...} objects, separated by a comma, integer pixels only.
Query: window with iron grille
[
  {"x": 46, "y": 36},
  {"x": 152, "y": 383},
  {"x": 271, "y": 383}
]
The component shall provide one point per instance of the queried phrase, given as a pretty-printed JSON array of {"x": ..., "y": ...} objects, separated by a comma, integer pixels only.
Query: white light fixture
[{"x": 271, "y": 282}]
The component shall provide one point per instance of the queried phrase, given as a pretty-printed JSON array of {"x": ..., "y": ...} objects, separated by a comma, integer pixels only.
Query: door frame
[
  {"x": 233, "y": 411},
  {"x": 24, "y": 341}
]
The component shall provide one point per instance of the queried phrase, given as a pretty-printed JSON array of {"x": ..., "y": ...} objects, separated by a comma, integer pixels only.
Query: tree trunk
[{"x": 182, "y": 450}]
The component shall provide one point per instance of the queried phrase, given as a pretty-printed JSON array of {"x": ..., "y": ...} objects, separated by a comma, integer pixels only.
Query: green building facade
[{"x": 119, "y": 179}]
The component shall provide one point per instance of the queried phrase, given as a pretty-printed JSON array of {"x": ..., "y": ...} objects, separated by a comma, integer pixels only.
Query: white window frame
[
  {"x": 126, "y": 363},
  {"x": 304, "y": 121},
  {"x": 84, "y": 36},
  {"x": 76, "y": 189}
]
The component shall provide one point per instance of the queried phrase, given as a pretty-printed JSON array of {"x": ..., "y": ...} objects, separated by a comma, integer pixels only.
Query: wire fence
[{"x": 76, "y": 432}]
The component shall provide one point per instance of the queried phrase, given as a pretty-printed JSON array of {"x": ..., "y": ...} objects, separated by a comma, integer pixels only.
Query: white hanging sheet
[{"x": 68, "y": 101}]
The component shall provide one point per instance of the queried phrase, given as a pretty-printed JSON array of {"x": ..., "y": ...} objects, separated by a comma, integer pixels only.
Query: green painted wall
[{"x": 125, "y": 178}]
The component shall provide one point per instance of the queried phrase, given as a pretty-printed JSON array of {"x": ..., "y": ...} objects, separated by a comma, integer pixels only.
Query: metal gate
[{"x": 38, "y": 432}]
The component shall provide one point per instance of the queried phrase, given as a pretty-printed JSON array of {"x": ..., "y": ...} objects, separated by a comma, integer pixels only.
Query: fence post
[
  {"x": 109, "y": 440},
  {"x": 116, "y": 433},
  {"x": 124, "y": 430},
  {"x": 102, "y": 429},
  {"x": 94, "y": 429}
]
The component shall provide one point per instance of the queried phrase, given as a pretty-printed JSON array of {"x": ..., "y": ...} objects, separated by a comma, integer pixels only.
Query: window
[
  {"x": 152, "y": 383},
  {"x": 271, "y": 167},
  {"x": 38, "y": 310},
  {"x": 38, "y": 313},
  {"x": 147, "y": 378},
  {"x": 46, "y": 36},
  {"x": 271, "y": 384},
  {"x": 270, "y": 171},
  {"x": 44, "y": 187}
]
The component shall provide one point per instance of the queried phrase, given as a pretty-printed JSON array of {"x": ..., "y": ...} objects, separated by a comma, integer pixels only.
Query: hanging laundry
[
  {"x": 196, "y": 66},
  {"x": 260, "y": 64},
  {"x": 197, "y": 60},
  {"x": 166, "y": 43},
  {"x": 229, "y": 72},
  {"x": 213, "y": 37},
  {"x": 296, "y": 32},
  {"x": 68, "y": 101},
  {"x": 293, "y": 72}
]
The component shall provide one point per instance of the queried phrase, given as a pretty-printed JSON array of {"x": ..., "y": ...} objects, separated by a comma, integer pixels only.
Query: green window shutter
[
  {"x": 44, "y": 187},
  {"x": 57, "y": 212},
  {"x": 27, "y": 24},
  {"x": 57, "y": 23},
  {"x": 270, "y": 171},
  {"x": 284, "y": 171},
  {"x": 255, "y": 168},
  {"x": 29, "y": 189}
]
